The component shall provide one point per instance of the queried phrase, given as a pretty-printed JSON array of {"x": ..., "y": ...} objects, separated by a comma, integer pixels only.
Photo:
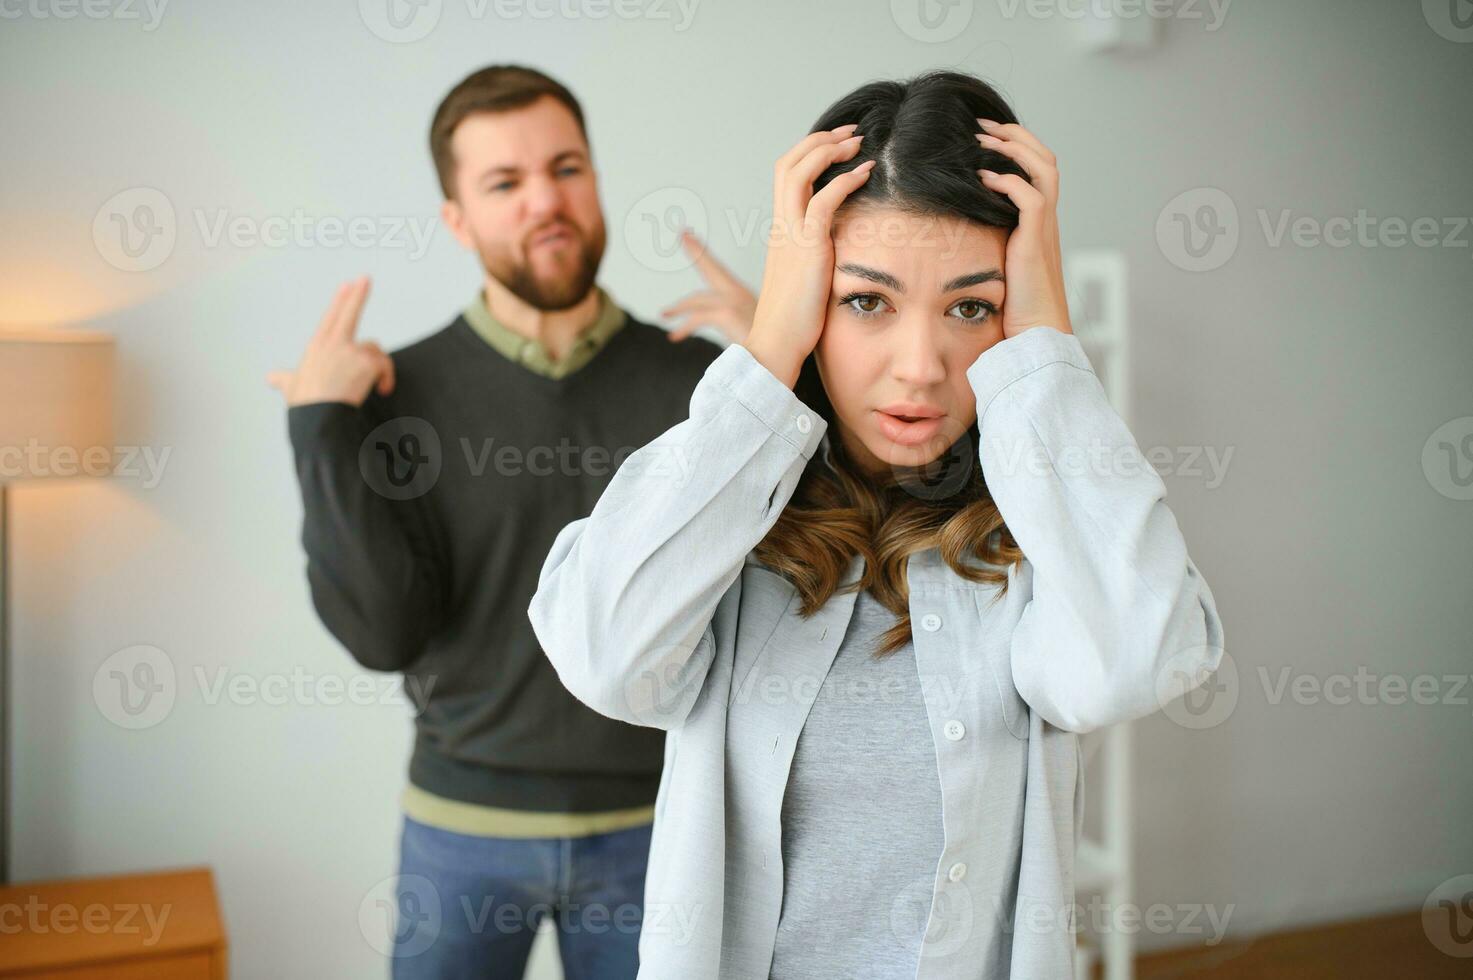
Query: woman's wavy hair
[{"x": 920, "y": 132}]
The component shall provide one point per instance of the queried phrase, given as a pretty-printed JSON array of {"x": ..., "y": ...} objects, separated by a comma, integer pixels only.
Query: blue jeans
[{"x": 469, "y": 906}]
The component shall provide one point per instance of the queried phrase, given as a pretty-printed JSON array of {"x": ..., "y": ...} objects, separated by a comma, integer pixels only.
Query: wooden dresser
[{"x": 160, "y": 926}]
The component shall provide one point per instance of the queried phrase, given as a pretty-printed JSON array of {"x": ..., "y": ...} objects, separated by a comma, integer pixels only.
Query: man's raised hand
[
  {"x": 337, "y": 367},
  {"x": 727, "y": 305}
]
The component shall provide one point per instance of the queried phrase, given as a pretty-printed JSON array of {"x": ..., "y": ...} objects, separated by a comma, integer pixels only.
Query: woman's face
[{"x": 915, "y": 300}]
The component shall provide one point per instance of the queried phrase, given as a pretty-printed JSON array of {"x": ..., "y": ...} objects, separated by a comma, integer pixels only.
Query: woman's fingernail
[
  {"x": 846, "y": 128},
  {"x": 987, "y": 173},
  {"x": 986, "y": 123}
]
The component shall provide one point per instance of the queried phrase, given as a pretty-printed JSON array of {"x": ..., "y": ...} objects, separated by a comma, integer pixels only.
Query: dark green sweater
[{"x": 426, "y": 518}]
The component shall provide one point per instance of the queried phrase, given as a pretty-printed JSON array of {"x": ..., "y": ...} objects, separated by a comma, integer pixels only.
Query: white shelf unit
[{"x": 1095, "y": 280}]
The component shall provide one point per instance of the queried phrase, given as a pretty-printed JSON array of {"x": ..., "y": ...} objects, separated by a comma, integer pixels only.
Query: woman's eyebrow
[
  {"x": 973, "y": 279},
  {"x": 873, "y": 275}
]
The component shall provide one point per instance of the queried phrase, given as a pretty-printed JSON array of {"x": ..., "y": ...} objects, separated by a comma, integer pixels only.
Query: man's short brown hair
[{"x": 495, "y": 88}]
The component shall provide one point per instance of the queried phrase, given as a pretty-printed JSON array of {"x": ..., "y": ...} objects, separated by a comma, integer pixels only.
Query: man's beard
[{"x": 550, "y": 295}]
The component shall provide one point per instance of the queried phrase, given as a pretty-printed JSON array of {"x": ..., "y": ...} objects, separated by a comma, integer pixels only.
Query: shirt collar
[{"x": 530, "y": 353}]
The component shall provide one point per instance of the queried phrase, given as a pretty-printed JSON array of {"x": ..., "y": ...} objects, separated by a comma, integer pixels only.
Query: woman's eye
[
  {"x": 864, "y": 304},
  {"x": 973, "y": 310}
]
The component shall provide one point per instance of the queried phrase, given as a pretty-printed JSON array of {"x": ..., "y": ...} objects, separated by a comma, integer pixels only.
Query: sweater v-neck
[{"x": 528, "y": 354}]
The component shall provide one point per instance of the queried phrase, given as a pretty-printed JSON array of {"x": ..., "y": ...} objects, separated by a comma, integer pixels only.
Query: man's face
[{"x": 526, "y": 200}]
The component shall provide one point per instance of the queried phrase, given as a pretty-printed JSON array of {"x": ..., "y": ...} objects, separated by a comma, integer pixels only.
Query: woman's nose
[{"x": 917, "y": 357}]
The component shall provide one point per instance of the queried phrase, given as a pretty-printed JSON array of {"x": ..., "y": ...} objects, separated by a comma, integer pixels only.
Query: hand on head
[{"x": 799, "y": 273}]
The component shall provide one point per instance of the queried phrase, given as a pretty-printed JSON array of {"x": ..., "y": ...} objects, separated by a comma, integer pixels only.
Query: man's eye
[
  {"x": 973, "y": 310},
  {"x": 569, "y": 171},
  {"x": 505, "y": 185}
]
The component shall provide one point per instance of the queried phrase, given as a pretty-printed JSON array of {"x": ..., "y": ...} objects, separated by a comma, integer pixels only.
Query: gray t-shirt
[{"x": 861, "y": 817}]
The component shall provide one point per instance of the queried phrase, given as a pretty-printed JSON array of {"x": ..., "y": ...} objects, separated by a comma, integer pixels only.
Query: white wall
[{"x": 1324, "y": 371}]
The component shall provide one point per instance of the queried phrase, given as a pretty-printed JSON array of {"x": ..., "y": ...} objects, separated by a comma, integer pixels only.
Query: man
[{"x": 434, "y": 481}]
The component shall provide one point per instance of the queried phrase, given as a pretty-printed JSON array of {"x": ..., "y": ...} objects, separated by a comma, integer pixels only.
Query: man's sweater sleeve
[{"x": 375, "y": 579}]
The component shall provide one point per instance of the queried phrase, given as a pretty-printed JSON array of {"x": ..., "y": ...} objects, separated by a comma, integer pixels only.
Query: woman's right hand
[{"x": 799, "y": 273}]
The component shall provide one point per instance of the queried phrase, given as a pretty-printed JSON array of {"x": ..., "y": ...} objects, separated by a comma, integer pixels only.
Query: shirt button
[
  {"x": 957, "y": 872},
  {"x": 954, "y": 730},
  {"x": 930, "y": 622},
  {"x": 804, "y": 424}
]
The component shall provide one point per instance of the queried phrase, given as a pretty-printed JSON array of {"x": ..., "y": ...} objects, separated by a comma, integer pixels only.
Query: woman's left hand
[{"x": 1035, "y": 267}]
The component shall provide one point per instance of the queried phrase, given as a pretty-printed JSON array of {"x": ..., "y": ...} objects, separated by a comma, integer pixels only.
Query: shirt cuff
[
  {"x": 771, "y": 401},
  {"x": 1015, "y": 357},
  {"x": 317, "y": 423}
]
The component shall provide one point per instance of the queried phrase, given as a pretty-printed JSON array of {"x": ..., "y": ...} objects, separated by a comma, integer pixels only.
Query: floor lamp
[{"x": 56, "y": 399}]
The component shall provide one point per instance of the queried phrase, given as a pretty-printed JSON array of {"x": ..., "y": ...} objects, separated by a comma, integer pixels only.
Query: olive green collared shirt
[{"x": 530, "y": 353}]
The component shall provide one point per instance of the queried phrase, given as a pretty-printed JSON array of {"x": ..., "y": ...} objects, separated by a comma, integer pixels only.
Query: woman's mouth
[{"x": 908, "y": 430}]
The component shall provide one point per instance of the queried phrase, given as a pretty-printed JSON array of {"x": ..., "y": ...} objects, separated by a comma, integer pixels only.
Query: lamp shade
[{"x": 56, "y": 403}]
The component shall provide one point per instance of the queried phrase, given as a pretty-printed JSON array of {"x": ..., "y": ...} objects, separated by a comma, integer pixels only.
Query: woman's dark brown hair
[{"x": 920, "y": 132}]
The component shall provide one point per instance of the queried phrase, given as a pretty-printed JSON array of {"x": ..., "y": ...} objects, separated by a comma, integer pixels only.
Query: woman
[{"x": 910, "y": 436}]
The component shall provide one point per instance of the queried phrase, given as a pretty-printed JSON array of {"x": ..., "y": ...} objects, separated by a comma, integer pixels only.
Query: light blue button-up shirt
[{"x": 653, "y": 610}]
